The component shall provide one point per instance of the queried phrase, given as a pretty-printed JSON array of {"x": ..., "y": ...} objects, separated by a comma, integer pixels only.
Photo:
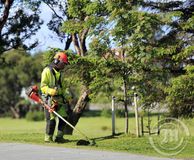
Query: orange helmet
[{"x": 61, "y": 56}]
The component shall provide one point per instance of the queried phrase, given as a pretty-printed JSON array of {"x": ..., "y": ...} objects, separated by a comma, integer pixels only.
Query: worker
[{"x": 55, "y": 94}]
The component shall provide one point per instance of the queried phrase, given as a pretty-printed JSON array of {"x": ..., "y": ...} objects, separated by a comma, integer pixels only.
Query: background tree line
[{"x": 119, "y": 45}]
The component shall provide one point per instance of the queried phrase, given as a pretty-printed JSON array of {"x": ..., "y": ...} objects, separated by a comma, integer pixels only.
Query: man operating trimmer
[{"x": 55, "y": 94}]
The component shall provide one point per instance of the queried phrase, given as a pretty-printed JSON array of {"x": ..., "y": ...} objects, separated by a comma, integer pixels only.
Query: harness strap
[{"x": 57, "y": 82}]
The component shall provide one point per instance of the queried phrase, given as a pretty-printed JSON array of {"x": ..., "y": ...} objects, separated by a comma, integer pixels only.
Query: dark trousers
[{"x": 51, "y": 123}]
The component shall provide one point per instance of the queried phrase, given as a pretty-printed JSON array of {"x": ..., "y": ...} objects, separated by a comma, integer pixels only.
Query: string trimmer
[{"x": 32, "y": 93}]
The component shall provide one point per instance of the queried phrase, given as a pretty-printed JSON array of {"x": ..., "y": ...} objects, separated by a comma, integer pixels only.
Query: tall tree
[
  {"x": 175, "y": 46},
  {"x": 83, "y": 20},
  {"x": 58, "y": 10},
  {"x": 74, "y": 23},
  {"x": 133, "y": 33},
  {"x": 18, "y": 71},
  {"x": 19, "y": 21}
]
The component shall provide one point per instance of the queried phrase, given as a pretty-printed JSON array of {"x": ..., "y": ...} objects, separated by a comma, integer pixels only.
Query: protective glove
[
  {"x": 52, "y": 92},
  {"x": 54, "y": 106}
]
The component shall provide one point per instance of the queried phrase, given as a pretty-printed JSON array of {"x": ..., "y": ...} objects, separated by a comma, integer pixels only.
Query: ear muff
[{"x": 56, "y": 60}]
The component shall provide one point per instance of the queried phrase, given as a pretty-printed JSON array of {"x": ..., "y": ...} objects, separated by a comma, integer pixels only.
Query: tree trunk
[
  {"x": 125, "y": 106},
  {"x": 77, "y": 111},
  {"x": 82, "y": 39},
  {"x": 3, "y": 19},
  {"x": 68, "y": 42},
  {"x": 125, "y": 94},
  {"x": 76, "y": 43},
  {"x": 15, "y": 113},
  {"x": 79, "y": 42}
]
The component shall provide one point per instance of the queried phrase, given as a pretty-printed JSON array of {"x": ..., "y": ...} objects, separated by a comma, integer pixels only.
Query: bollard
[
  {"x": 136, "y": 115},
  {"x": 113, "y": 115}
]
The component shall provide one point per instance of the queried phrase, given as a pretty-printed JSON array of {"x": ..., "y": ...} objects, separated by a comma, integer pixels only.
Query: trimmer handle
[{"x": 32, "y": 92}]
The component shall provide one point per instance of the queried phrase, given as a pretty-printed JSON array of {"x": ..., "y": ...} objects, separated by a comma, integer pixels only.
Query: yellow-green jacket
[
  {"x": 48, "y": 81},
  {"x": 51, "y": 79}
]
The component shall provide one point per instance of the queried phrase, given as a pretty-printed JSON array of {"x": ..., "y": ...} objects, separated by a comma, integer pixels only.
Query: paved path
[{"x": 14, "y": 151}]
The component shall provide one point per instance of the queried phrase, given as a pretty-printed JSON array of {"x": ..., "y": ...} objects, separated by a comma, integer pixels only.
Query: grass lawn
[{"x": 99, "y": 128}]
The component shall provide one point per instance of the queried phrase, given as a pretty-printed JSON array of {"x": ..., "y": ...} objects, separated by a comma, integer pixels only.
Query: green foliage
[
  {"x": 154, "y": 55},
  {"x": 48, "y": 56},
  {"x": 72, "y": 26},
  {"x": 99, "y": 46},
  {"x": 21, "y": 24},
  {"x": 22, "y": 107},
  {"x": 106, "y": 113},
  {"x": 120, "y": 113},
  {"x": 35, "y": 116},
  {"x": 18, "y": 71},
  {"x": 189, "y": 24},
  {"x": 180, "y": 94},
  {"x": 153, "y": 42},
  {"x": 85, "y": 7},
  {"x": 84, "y": 19}
]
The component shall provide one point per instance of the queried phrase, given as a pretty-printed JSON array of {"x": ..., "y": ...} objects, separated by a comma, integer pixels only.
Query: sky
[{"x": 47, "y": 38}]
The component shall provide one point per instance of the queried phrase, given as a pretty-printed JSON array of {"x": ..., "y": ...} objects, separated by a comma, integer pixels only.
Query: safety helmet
[{"x": 60, "y": 56}]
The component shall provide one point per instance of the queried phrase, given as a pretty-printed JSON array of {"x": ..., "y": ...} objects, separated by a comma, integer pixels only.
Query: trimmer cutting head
[{"x": 83, "y": 142}]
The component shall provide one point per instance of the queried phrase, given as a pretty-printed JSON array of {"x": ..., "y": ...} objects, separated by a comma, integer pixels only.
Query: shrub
[
  {"x": 106, "y": 113},
  {"x": 35, "y": 116},
  {"x": 120, "y": 113},
  {"x": 180, "y": 94},
  {"x": 22, "y": 107}
]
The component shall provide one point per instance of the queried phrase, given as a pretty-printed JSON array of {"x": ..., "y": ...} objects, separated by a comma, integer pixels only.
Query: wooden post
[
  {"x": 158, "y": 123},
  {"x": 142, "y": 127},
  {"x": 125, "y": 106},
  {"x": 113, "y": 115},
  {"x": 136, "y": 115},
  {"x": 149, "y": 121}
]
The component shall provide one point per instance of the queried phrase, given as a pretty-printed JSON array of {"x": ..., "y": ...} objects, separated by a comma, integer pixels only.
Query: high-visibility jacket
[{"x": 50, "y": 79}]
